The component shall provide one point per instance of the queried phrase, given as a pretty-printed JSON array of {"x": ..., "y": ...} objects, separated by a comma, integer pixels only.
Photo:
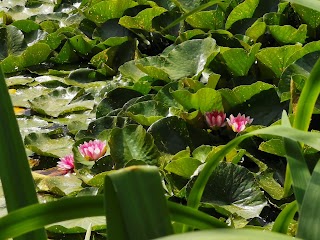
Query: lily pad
[
  {"x": 132, "y": 143},
  {"x": 61, "y": 101},
  {"x": 147, "y": 112},
  {"x": 78, "y": 225},
  {"x": 234, "y": 188},
  {"x": 42, "y": 144},
  {"x": 184, "y": 167}
]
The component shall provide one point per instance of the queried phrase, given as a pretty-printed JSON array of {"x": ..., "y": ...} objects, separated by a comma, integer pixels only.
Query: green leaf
[
  {"x": 11, "y": 41},
  {"x": 273, "y": 146},
  {"x": 234, "y": 188},
  {"x": 277, "y": 58},
  {"x": 239, "y": 60},
  {"x": 13, "y": 160},
  {"x": 105, "y": 10},
  {"x": 227, "y": 234},
  {"x": 288, "y": 34},
  {"x": 309, "y": 213},
  {"x": 61, "y": 101},
  {"x": 33, "y": 55},
  {"x": 205, "y": 100},
  {"x": 184, "y": 167},
  {"x": 187, "y": 59},
  {"x": 125, "y": 220},
  {"x": 308, "y": 10},
  {"x": 132, "y": 143},
  {"x": 147, "y": 112},
  {"x": 143, "y": 20},
  {"x": 270, "y": 185},
  {"x": 26, "y": 25},
  {"x": 78, "y": 225},
  {"x": 59, "y": 185},
  {"x": 244, "y": 10},
  {"x": 213, "y": 19},
  {"x": 285, "y": 217},
  {"x": 42, "y": 144}
]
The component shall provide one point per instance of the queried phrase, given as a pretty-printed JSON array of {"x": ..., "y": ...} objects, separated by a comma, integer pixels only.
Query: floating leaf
[
  {"x": 184, "y": 167},
  {"x": 104, "y": 10},
  {"x": 234, "y": 188},
  {"x": 61, "y": 101},
  {"x": 132, "y": 143},
  {"x": 42, "y": 144},
  {"x": 288, "y": 34}
]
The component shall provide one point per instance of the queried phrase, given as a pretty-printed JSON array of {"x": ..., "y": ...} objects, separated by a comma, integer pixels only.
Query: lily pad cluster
[{"x": 141, "y": 76}]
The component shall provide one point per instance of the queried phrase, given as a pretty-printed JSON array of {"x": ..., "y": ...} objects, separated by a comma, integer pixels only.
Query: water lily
[
  {"x": 93, "y": 150},
  {"x": 215, "y": 119},
  {"x": 66, "y": 163},
  {"x": 239, "y": 122}
]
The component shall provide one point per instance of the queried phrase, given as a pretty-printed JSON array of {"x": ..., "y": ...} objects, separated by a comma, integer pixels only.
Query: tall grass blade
[
  {"x": 298, "y": 168},
  {"x": 37, "y": 216},
  {"x": 309, "y": 218},
  {"x": 308, "y": 97},
  {"x": 135, "y": 204},
  {"x": 229, "y": 234},
  {"x": 192, "y": 217},
  {"x": 15, "y": 174},
  {"x": 283, "y": 220}
]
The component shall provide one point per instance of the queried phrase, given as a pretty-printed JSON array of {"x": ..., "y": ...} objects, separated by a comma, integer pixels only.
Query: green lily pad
[
  {"x": 270, "y": 185},
  {"x": 213, "y": 19},
  {"x": 61, "y": 101},
  {"x": 308, "y": 15},
  {"x": 239, "y": 60},
  {"x": 78, "y": 225},
  {"x": 132, "y": 143},
  {"x": 22, "y": 96},
  {"x": 11, "y": 41},
  {"x": 184, "y": 167},
  {"x": 33, "y": 55},
  {"x": 205, "y": 100},
  {"x": 143, "y": 20},
  {"x": 234, "y": 189},
  {"x": 273, "y": 146},
  {"x": 244, "y": 10},
  {"x": 277, "y": 59},
  {"x": 18, "y": 80},
  {"x": 42, "y": 144},
  {"x": 32, "y": 124},
  {"x": 60, "y": 185},
  {"x": 288, "y": 34},
  {"x": 147, "y": 112},
  {"x": 102, "y": 11}
]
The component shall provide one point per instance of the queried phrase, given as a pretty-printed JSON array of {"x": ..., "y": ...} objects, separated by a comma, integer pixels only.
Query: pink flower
[
  {"x": 215, "y": 119},
  {"x": 239, "y": 122},
  {"x": 93, "y": 150},
  {"x": 66, "y": 163}
]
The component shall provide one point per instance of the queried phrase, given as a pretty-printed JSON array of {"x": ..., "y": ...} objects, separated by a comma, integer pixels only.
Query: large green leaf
[
  {"x": 234, "y": 188},
  {"x": 184, "y": 167},
  {"x": 143, "y": 20},
  {"x": 277, "y": 59},
  {"x": 213, "y": 19},
  {"x": 102, "y": 11},
  {"x": 243, "y": 10},
  {"x": 132, "y": 143},
  {"x": 205, "y": 100},
  {"x": 42, "y": 144},
  {"x": 308, "y": 10},
  {"x": 11, "y": 41},
  {"x": 61, "y": 101},
  {"x": 147, "y": 112},
  {"x": 288, "y": 34},
  {"x": 78, "y": 225},
  {"x": 33, "y": 55}
]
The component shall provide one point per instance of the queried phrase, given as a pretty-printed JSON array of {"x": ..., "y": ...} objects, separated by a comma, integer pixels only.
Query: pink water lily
[
  {"x": 93, "y": 150},
  {"x": 215, "y": 119},
  {"x": 66, "y": 163},
  {"x": 238, "y": 123}
]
